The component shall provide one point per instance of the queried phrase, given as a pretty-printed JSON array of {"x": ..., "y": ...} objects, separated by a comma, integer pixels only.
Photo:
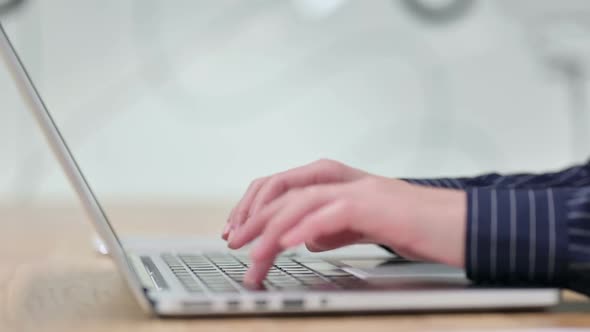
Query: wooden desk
[{"x": 51, "y": 280}]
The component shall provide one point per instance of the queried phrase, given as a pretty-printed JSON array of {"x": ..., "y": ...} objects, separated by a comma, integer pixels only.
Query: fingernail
[
  {"x": 230, "y": 240},
  {"x": 226, "y": 228}
]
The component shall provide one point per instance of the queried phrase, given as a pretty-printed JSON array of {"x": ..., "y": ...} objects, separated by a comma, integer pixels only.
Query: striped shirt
[{"x": 527, "y": 228}]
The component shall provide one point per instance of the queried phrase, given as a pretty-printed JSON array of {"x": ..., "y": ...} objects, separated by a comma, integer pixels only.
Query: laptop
[{"x": 199, "y": 282}]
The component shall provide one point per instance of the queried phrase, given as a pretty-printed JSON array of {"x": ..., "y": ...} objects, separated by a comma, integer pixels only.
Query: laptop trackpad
[{"x": 380, "y": 269}]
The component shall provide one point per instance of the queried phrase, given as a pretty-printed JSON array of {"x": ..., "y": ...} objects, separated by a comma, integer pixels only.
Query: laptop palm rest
[{"x": 406, "y": 275}]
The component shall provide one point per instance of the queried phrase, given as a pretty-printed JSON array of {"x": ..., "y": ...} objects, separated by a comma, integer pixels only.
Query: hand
[
  {"x": 264, "y": 190},
  {"x": 418, "y": 222}
]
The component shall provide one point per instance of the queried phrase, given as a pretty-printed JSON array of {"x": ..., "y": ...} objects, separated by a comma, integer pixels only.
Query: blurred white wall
[{"x": 193, "y": 99}]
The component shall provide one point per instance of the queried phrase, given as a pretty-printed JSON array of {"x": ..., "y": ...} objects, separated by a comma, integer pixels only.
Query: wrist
[{"x": 440, "y": 225}]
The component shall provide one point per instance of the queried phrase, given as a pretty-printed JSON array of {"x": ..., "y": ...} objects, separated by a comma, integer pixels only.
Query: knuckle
[
  {"x": 258, "y": 181},
  {"x": 276, "y": 182},
  {"x": 242, "y": 213},
  {"x": 327, "y": 163},
  {"x": 324, "y": 161},
  {"x": 347, "y": 207},
  {"x": 254, "y": 183}
]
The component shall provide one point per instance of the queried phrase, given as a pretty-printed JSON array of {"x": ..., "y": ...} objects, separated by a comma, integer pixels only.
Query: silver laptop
[{"x": 197, "y": 282}]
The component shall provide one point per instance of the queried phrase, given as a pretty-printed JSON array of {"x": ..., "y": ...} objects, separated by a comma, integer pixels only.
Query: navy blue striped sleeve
[
  {"x": 517, "y": 235},
  {"x": 578, "y": 233},
  {"x": 575, "y": 176},
  {"x": 527, "y": 228}
]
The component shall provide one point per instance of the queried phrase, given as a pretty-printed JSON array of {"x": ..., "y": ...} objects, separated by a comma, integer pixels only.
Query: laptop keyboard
[{"x": 224, "y": 273}]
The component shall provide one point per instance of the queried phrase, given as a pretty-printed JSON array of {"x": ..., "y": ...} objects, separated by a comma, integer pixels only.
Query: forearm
[{"x": 507, "y": 236}]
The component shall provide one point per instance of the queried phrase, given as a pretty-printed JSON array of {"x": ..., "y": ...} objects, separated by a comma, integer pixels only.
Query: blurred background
[{"x": 191, "y": 100}]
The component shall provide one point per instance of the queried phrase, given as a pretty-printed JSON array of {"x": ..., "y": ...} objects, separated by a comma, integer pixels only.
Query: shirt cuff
[
  {"x": 578, "y": 237},
  {"x": 517, "y": 236}
]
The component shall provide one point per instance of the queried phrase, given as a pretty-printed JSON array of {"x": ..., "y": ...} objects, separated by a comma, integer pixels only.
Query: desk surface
[{"x": 51, "y": 280}]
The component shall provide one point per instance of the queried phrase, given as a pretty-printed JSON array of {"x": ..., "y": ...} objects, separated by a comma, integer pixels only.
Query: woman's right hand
[
  {"x": 266, "y": 189},
  {"x": 327, "y": 205}
]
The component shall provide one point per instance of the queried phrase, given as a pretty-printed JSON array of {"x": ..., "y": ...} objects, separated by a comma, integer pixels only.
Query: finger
[
  {"x": 270, "y": 245},
  {"x": 282, "y": 213},
  {"x": 265, "y": 252},
  {"x": 331, "y": 219},
  {"x": 240, "y": 212},
  {"x": 253, "y": 226},
  {"x": 319, "y": 172},
  {"x": 333, "y": 241},
  {"x": 226, "y": 228},
  {"x": 257, "y": 272},
  {"x": 287, "y": 209}
]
